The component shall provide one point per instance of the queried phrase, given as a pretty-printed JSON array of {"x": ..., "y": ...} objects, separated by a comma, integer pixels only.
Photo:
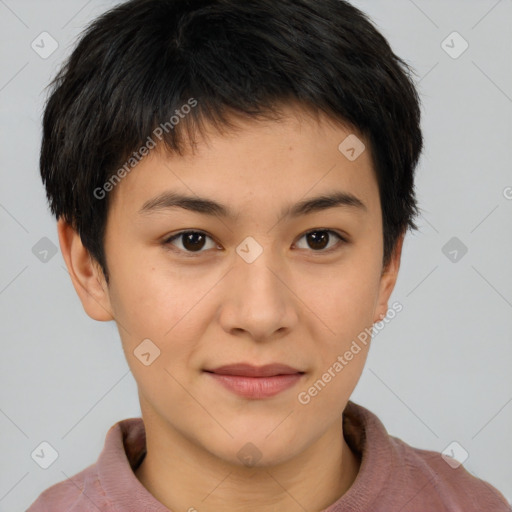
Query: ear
[
  {"x": 388, "y": 280},
  {"x": 85, "y": 273}
]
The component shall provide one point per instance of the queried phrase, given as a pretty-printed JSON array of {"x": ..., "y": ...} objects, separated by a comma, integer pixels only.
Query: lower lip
[{"x": 257, "y": 387}]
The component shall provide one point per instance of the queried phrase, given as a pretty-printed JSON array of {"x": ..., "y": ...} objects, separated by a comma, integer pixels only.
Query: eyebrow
[{"x": 169, "y": 200}]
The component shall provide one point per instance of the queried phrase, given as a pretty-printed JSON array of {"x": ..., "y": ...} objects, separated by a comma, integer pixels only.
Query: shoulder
[
  {"x": 396, "y": 476},
  {"x": 444, "y": 481},
  {"x": 85, "y": 491},
  {"x": 77, "y": 493}
]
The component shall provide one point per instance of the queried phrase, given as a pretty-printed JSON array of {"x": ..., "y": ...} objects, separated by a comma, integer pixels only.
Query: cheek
[
  {"x": 152, "y": 305},
  {"x": 343, "y": 299},
  {"x": 341, "y": 347},
  {"x": 151, "y": 296},
  {"x": 170, "y": 307}
]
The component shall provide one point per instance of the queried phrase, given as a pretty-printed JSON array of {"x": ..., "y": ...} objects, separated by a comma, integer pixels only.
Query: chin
[{"x": 255, "y": 451}]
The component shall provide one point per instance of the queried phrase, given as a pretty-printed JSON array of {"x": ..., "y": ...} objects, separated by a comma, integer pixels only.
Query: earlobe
[
  {"x": 388, "y": 280},
  {"x": 85, "y": 273}
]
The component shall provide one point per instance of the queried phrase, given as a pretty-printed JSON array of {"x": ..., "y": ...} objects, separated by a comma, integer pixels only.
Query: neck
[{"x": 183, "y": 476}]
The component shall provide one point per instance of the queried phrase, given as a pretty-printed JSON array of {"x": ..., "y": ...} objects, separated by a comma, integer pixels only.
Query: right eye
[{"x": 191, "y": 242}]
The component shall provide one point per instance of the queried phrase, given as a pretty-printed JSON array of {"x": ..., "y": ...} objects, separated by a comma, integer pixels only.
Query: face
[{"x": 260, "y": 280}]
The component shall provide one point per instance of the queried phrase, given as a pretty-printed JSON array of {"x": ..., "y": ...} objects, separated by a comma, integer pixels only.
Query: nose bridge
[
  {"x": 259, "y": 302},
  {"x": 256, "y": 267}
]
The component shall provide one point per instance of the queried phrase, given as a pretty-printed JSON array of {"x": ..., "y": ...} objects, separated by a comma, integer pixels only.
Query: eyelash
[{"x": 168, "y": 242}]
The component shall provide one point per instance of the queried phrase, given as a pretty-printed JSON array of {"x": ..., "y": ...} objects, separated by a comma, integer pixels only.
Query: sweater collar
[{"x": 125, "y": 447}]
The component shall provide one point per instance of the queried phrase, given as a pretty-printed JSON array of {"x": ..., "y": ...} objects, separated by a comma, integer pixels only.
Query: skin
[{"x": 292, "y": 305}]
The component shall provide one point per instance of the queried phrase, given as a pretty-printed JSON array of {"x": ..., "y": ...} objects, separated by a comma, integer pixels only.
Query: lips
[
  {"x": 247, "y": 370},
  {"x": 256, "y": 382}
]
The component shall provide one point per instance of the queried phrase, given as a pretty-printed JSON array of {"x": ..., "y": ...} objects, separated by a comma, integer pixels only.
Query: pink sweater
[{"x": 393, "y": 476}]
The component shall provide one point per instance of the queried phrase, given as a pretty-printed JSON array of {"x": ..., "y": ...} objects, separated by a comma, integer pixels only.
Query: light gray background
[{"x": 439, "y": 372}]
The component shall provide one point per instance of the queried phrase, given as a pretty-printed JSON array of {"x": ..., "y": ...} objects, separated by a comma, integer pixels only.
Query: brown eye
[
  {"x": 319, "y": 239},
  {"x": 193, "y": 241},
  {"x": 190, "y": 241}
]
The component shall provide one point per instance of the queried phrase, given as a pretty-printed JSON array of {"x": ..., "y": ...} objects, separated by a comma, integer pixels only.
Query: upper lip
[{"x": 248, "y": 370}]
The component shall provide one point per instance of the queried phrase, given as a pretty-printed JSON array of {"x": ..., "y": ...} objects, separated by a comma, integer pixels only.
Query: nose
[{"x": 258, "y": 299}]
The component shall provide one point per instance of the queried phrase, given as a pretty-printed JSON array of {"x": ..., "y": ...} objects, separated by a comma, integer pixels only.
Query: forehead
[{"x": 265, "y": 161}]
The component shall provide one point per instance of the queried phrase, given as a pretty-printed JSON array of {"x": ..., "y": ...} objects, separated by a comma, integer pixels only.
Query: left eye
[{"x": 319, "y": 239}]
